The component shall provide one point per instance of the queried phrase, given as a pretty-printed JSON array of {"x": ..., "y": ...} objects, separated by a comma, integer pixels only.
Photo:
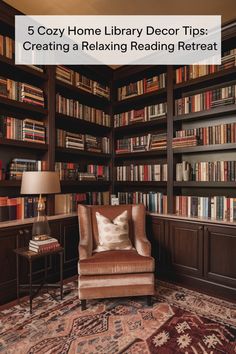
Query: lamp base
[{"x": 41, "y": 229}]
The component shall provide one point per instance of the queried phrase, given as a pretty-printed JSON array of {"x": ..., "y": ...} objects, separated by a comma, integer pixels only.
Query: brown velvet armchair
[{"x": 114, "y": 273}]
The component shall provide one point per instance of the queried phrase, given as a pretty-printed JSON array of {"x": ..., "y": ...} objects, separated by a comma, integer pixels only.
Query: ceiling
[{"x": 226, "y": 8}]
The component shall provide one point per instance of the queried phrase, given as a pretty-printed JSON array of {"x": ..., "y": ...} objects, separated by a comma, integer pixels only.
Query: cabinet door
[
  {"x": 70, "y": 240},
  {"x": 156, "y": 235},
  {"x": 185, "y": 248},
  {"x": 220, "y": 254}
]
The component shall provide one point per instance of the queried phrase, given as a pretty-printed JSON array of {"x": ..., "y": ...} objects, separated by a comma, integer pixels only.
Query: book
[{"x": 154, "y": 201}]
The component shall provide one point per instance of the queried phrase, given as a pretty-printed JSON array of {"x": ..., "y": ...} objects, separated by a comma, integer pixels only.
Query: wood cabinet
[
  {"x": 66, "y": 230},
  {"x": 198, "y": 254}
]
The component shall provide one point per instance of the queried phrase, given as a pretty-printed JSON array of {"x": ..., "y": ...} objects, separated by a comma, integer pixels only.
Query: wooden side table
[{"x": 31, "y": 257}]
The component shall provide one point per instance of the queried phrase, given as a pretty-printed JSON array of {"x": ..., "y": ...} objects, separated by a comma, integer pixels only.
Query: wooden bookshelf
[{"x": 29, "y": 109}]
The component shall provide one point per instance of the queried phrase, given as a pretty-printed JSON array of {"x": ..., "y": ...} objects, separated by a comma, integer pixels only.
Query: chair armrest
[
  {"x": 143, "y": 246},
  {"x": 141, "y": 242},
  {"x": 85, "y": 231}
]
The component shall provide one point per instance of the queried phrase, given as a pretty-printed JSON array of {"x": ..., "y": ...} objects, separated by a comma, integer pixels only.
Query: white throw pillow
[{"x": 113, "y": 234}]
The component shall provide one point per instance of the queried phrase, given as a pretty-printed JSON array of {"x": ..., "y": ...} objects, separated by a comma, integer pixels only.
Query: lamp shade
[{"x": 40, "y": 182}]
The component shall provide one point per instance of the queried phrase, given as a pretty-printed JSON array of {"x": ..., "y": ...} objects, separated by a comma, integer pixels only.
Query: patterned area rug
[{"x": 179, "y": 321}]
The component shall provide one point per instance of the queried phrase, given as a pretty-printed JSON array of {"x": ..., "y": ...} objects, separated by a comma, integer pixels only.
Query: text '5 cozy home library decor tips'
[{"x": 118, "y": 40}]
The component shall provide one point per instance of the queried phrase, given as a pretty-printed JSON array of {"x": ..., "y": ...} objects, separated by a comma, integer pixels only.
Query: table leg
[
  {"x": 61, "y": 274},
  {"x": 30, "y": 285},
  {"x": 45, "y": 270},
  {"x": 17, "y": 279}
]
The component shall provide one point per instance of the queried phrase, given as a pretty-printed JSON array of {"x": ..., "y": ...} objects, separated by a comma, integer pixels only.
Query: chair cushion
[
  {"x": 113, "y": 234},
  {"x": 116, "y": 262}
]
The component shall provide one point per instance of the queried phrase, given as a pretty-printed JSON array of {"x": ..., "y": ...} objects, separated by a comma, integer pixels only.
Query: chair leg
[
  {"x": 149, "y": 300},
  {"x": 83, "y": 305}
]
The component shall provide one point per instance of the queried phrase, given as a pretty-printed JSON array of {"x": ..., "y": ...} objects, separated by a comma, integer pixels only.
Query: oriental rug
[{"x": 179, "y": 321}]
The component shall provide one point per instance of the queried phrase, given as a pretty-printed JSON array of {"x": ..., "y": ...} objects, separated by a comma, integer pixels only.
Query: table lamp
[{"x": 40, "y": 182}]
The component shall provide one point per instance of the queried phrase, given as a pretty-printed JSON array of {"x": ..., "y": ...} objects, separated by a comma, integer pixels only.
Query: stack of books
[
  {"x": 135, "y": 173},
  {"x": 18, "y": 166},
  {"x": 64, "y": 74},
  {"x": 154, "y": 202},
  {"x": 101, "y": 90},
  {"x": 31, "y": 94},
  {"x": 21, "y": 92},
  {"x": 83, "y": 82},
  {"x": 190, "y": 140},
  {"x": 48, "y": 245},
  {"x": 142, "y": 86},
  {"x": 11, "y": 128},
  {"x": 7, "y": 46},
  {"x": 34, "y": 131},
  {"x": 206, "y": 100},
  {"x": 93, "y": 143},
  {"x": 158, "y": 142},
  {"x": 148, "y": 113},
  {"x": 74, "y": 141},
  {"x": 86, "y": 176}
]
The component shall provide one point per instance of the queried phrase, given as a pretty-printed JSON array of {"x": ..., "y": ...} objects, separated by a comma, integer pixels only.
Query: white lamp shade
[{"x": 40, "y": 182}]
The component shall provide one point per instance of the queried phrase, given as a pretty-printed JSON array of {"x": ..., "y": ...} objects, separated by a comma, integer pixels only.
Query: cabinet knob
[
  {"x": 200, "y": 228},
  {"x": 20, "y": 232},
  {"x": 26, "y": 231}
]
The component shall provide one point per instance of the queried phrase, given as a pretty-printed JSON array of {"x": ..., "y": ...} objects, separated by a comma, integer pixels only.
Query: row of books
[
  {"x": 7, "y": 46},
  {"x": 27, "y": 130},
  {"x": 75, "y": 78},
  {"x": 22, "y": 92},
  {"x": 83, "y": 142},
  {"x": 142, "y": 143},
  {"x": 216, "y": 208},
  {"x": 18, "y": 166},
  {"x": 74, "y": 108},
  {"x": 206, "y": 171},
  {"x": 17, "y": 208},
  {"x": 206, "y": 100},
  {"x": 154, "y": 202},
  {"x": 50, "y": 244},
  {"x": 67, "y": 203},
  {"x": 140, "y": 173},
  {"x": 189, "y": 72},
  {"x": 217, "y": 134},
  {"x": 140, "y": 87},
  {"x": 148, "y": 113},
  {"x": 72, "y": 171}
]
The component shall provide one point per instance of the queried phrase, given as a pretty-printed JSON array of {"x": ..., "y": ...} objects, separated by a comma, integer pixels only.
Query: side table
[{"x": 31, "y": 257}]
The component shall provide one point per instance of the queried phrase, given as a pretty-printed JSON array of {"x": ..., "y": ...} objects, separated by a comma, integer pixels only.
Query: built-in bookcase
[{"x": 142, "y": 129}]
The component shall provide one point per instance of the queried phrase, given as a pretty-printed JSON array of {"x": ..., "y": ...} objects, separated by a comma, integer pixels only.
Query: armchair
[{"x": 116, "y": 273}]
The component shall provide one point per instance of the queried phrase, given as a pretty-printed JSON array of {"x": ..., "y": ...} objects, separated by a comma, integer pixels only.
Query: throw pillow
[{"x": 113, "y": 234}]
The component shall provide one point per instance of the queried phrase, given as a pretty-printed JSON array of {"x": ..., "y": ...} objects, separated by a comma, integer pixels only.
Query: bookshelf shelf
[
  {"x": 85, "y": 183},
  {"x": 214, "y": 112},
  {"x": 195, "y": 184},
  {"x": 207, "y": 79},
  {"x": 82, "y": 153},
  {"x": 75, "y": 92},
  {"x": 80, "y": 125},
  {"x": 22, "y": 107},
  {"x": 140, "y": 126},
  {"x": 204, "y": 148},
  {"x": 23, "y": 144},
  {"x": 10, "y": 183},
  {"x": 143, "y": 184},
  {"x": 144, "y": 154},
  {"x": 21, "y": 72},
  {"x": 139, "y": 99}
]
